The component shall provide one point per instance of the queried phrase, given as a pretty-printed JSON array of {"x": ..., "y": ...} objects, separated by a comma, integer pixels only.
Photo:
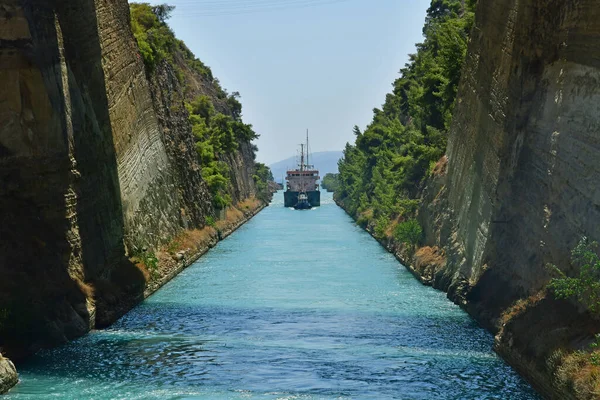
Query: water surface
[{"x": 294, "y": 305}]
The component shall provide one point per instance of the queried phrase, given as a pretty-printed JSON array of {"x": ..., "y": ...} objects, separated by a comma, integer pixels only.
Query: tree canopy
[{"x": 382, "y": 172}]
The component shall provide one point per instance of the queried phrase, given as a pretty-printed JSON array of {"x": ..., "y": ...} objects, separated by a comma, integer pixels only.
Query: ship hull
[{"x": 290, "y": 199}]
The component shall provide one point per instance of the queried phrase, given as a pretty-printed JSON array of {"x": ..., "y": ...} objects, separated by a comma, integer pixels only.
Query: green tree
[
  {"x": 330, "y": 182},
  {"x": 262, "y": 177},
  {"x": 410, "y": 233},
  {"x": 386, "y": 166},
  {"x": 155, "y": 39},
  {"x": 584, "y": 287}
]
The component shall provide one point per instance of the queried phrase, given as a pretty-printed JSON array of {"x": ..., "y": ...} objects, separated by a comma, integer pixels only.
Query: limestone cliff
[
  {"x": 62, "y": 216},
  {"x": 97, "y": 164},
  {"x": 522, "y": 179}
]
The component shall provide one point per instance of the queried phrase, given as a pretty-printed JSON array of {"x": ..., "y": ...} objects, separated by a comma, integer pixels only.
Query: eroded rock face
[
  {"x": 8, "y": 375},
  {"x": 61, "y": 216},
  {"x": 168, "y": 100},
  {"x": 97, "y": 162},
  {"x": 523, "y": 178}
]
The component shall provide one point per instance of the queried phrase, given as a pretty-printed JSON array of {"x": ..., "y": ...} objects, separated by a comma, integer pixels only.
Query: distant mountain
[{"x": 324, "y": 161}]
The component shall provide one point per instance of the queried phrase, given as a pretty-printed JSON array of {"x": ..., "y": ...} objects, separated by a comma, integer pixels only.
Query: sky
[{"x": 321, "y": 65}]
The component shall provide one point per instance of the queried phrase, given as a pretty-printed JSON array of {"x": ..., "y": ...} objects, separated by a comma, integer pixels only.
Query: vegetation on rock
[
  {"x": 156, "y": 40},
  {"x": 217, "y": 131},
  {"x": 262, "y": 177},
  {"x": 409, "y": 232},
  {"x": 381, "y": 173},
  {"x": 217, "y": 134},
  {"x": 585, "y": 288}
]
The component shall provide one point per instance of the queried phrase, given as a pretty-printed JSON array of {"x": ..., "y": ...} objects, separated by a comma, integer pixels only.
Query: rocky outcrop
[
  {"x": 522, "y": 179},
  {"x": 8, "y": 375}
]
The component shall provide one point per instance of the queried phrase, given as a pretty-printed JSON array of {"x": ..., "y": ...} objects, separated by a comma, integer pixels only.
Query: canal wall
[
  {"x": 189, "y": 245},
  {"x": 518, "y": 188},
  {"x": 98, "y": 166}
]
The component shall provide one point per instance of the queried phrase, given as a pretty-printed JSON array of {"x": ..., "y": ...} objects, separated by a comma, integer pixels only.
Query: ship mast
[{"x": 307, "y": 163}]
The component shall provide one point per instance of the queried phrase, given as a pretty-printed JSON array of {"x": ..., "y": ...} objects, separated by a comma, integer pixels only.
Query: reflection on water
[{"x": 295, "y": 305}]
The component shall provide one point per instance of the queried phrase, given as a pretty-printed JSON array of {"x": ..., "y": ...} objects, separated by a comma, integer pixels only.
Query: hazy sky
[{"x": 317, "y": 64}]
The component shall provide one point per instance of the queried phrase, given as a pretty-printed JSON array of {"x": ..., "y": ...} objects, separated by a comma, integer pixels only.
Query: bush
[
  {"x": 155, "y": 39},
  {"x": 262, "y": 177},
  {"x": 409, "y": 232},
  {"x": 381, "y": 225},
  {"x": 150, "y": 261},
  {"x": 585, "y": 287}
]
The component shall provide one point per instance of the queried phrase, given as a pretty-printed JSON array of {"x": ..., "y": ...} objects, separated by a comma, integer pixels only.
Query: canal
[{"x": 294, "y": 305}]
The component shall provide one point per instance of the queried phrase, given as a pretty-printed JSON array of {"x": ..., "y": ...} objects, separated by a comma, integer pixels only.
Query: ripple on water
[{"x": 294, "y": 305}]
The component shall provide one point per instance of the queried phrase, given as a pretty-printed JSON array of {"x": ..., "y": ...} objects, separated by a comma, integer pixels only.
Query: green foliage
[
  {"x": 262, "y": 177},
  {"x": 585, "y": 287},
  {"x": 210, "y": 221},
  {"x": 155, "y": 39},
  {"x": 201, "y": 108},
  {"x": 381, "y": 225},
  {"x": 216, "y": 134},
  {"x": 216, "y": 176},
  {"x": 330, "y": 182},
  {"x": 595, "y": 346},
  {"x": 409, "y": 232},
  {"x": 385, "y": 167},
  {"x": 235, "y": 107},
  {"x": 192, "y": 62},
  {"x": 150, "y": 261},
  {"x": 157, "y": 42}
]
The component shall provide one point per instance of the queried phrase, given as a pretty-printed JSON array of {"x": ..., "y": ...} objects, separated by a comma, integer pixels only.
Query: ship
[{"x": 302, "y": 188}]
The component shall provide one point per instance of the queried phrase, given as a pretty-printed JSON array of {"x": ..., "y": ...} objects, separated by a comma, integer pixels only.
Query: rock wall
[
  {"x": 61, "y": 214},
  {"x": 522, "y": 183},
  {"x": 97, "y": 164},
  {"x": 175, "y": 132}
]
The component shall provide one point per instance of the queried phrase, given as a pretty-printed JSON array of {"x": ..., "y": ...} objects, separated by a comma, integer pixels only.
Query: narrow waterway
[{"x": 294, "y": 305}]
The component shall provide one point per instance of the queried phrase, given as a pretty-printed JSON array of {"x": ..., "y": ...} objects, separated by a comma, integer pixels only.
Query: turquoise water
[{"x": 294, "y": 305}]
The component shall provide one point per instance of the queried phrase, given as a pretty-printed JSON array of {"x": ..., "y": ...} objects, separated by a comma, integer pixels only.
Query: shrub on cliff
[
  {"x": 214, "y": 135},
  {"x": 584, "y": 287},
  {"x": 410, "y": 233},
  {"x": 154, "y": 37},
  {"x": 157, "y": 42},
  {"x": 216, "y": 176}
]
